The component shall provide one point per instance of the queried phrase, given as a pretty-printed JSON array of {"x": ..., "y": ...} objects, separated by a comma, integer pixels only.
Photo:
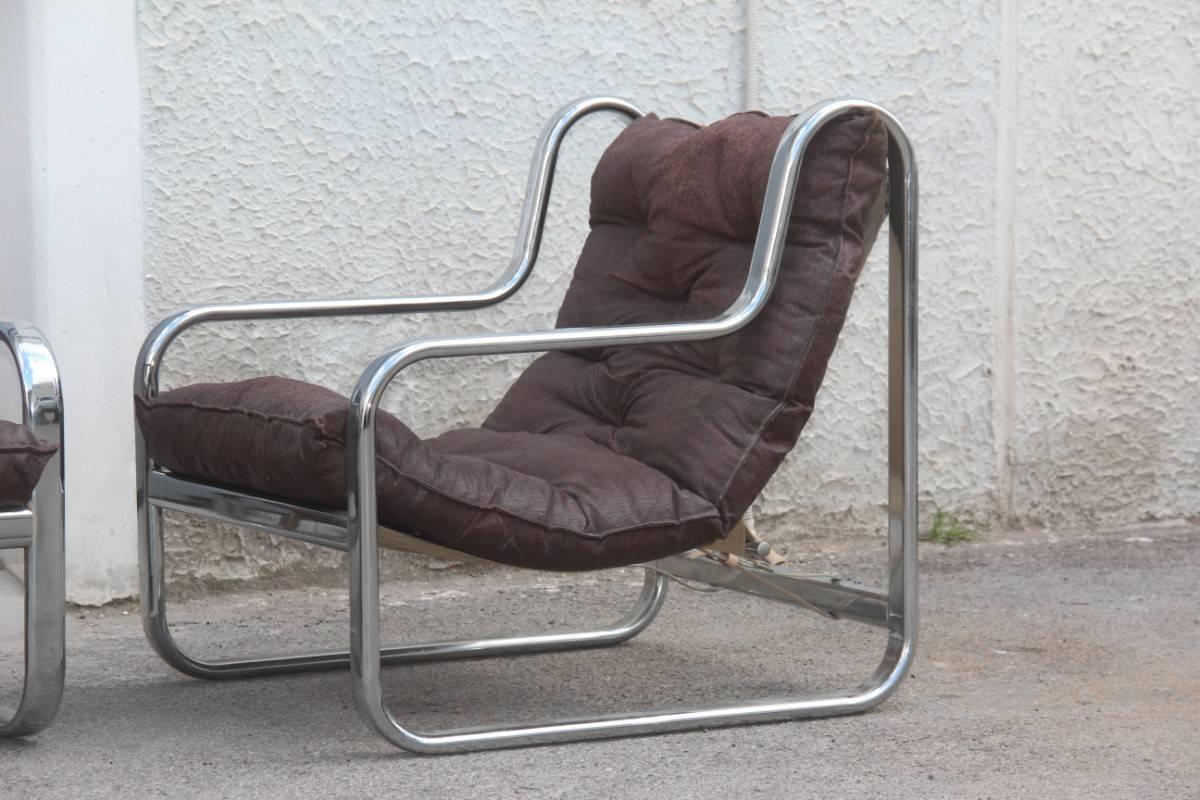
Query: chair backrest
[{"x": 675, "y": 209}]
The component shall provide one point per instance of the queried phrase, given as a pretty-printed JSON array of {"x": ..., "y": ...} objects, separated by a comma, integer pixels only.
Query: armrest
[
  {"x": 764, "y": 267},
  {"x": 37, "y": 372},
  {"x": 529, "y": 238}
]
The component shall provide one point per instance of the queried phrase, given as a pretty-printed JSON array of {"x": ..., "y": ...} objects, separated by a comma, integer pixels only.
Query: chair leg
[
  {"x": 154, "y": 619},
  {"x": 45, "y": 622},
  {"x": 366, "y": 662}
]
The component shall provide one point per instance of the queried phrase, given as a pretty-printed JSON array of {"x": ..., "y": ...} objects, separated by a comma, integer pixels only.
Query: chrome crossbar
[
  {"x": 313, "y": 525},
  {"x": 828, "y": 595},
  {"x": 16, "y": 528}
]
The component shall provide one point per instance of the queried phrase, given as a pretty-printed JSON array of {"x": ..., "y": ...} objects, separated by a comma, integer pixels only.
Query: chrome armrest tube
[
  {"x": 529, "y": 238},
  {"x": 37, "y": 372}
]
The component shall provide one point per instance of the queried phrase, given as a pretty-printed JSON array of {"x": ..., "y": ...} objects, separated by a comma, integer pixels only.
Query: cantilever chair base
[
  {"x": 38, "y": 531},
  {"x": 834, "y": 598},
  {"x": 356, "y": 530}
]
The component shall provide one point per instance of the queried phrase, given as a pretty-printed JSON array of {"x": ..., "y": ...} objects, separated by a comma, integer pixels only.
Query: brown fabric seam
[
  {"x": 30, "y": 449},
  {"x": 396, "y": 470},
  {"x": 453, "y": 542},
  {"x": 808, "y": 346}
]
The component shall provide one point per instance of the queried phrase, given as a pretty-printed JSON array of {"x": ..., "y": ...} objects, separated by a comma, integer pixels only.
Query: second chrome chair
[{"x": 31, "y": 519}]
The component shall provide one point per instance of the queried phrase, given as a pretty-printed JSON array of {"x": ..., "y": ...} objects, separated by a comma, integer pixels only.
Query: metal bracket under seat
[{"x": 829, "y": 596}]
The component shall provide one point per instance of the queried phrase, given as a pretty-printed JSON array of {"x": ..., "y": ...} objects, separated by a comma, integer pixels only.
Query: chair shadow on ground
[{"x": 290, "y": 716}]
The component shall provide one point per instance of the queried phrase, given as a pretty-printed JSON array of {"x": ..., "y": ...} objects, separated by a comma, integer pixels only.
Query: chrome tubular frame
[
  {"x": 38, "y": 530},
  {"x": 764, "y": 266},
  {"x": 357, "y": 530}
]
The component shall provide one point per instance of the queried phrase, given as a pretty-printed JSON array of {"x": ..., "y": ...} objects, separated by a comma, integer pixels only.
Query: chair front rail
[
  {"x": 38, "y": 530},
  {"x": 764, "y": 266}
]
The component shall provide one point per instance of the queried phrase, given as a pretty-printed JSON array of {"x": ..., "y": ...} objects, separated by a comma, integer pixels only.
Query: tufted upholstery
[
  {"x": 23, "y": 456},
  {"x": 610, "y": 456}
]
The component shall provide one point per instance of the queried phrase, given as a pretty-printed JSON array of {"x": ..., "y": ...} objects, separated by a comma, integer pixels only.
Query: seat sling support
[
  {"x": 38, "y": 531},
  {"x": 357, "y": 532}
]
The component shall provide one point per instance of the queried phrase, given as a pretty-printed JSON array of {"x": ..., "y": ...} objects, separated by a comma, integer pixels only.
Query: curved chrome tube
[
  {"x": 42, "y": 412},
  {"x": 764, "y": 267},
  {"x": 636, "y": 620},
  {"x": 525, "y": 253}
]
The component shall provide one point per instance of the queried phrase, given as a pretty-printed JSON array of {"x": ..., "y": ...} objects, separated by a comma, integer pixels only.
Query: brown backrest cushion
[
  {"x": 675, "y": 210},
  {"x": 23, "y": 456}
]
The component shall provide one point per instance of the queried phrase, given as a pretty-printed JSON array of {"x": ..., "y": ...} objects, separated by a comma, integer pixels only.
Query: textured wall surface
[
  {"x": 1108, "y": 263},
  {"x": 877, "y": 51},
  {"x": 302, "y": 149}
]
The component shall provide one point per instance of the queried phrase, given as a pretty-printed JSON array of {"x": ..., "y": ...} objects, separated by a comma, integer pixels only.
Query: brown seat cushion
[
  {"x": 23, "y": 456},
  {"x": 608, "y": 456}
]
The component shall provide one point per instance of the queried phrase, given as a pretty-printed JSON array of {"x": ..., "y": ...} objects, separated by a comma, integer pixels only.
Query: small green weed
[{"x": 950, "y": 529}]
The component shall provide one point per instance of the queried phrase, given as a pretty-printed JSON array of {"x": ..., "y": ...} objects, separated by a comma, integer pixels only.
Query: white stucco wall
[
  {"x": 302, "y": 149},
  {"x": 16, "y": 277},
  {"x": 935, "y": 65},
  {"x": 70, "y": 224},
  {"x": 15, "y": 222},
  {"x": 1108, "y": 262}
]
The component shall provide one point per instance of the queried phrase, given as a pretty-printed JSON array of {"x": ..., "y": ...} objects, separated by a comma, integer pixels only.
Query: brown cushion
[
  {"x": 23, "y": 456},
  {"x": 552, "y": 501},
  {"x": 615, "y": 455}
]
